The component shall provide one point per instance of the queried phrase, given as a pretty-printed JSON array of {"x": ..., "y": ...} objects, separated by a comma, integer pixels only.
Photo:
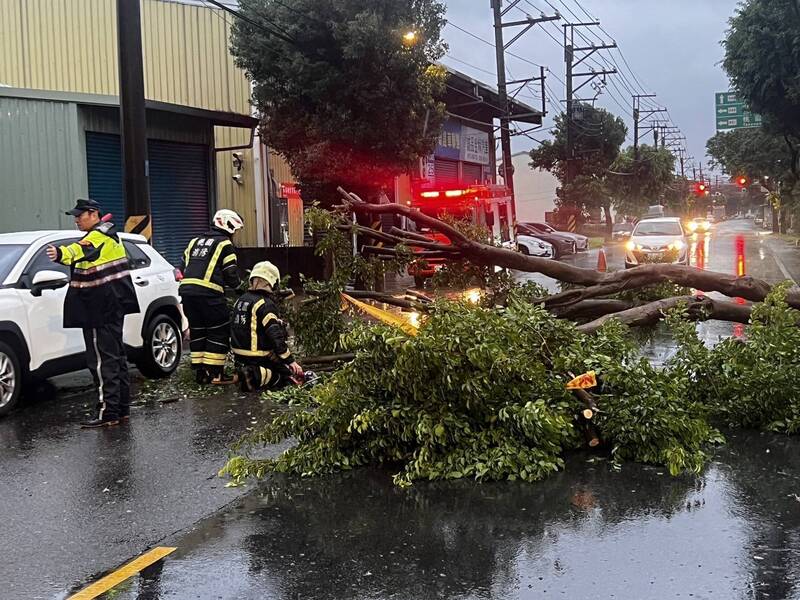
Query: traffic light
[
  {"x": 701, "y": 189},
  {"x": 743, "y": 182}
]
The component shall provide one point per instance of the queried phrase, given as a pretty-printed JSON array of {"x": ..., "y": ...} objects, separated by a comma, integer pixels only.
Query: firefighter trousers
[
  {"x": 108, "y": 364},
  {"x": 209, "y": 332},
  {"x": 264, "y": 374}
]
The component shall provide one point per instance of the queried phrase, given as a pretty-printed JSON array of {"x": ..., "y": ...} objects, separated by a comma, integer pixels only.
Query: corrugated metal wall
[
  {"x": 237, "y": 196},
  {"x": 42, "y": 160},
  {"x": 71, "y": 45}
]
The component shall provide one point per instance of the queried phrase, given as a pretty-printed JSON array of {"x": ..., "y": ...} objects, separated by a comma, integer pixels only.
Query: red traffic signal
[
  {"x": 742, "y": 181},
  {"x": 701, "y": 189}
]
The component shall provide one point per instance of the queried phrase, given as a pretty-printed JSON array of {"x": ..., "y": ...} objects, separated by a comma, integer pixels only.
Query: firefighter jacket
[
  {"x": 100, "y": 289},
  {"x": 257, "y": 332},
  {"x": 208, "y": 265}
]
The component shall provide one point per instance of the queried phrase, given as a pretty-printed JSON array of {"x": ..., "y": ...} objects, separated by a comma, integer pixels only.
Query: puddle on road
[{"x": 732, "y": 532}]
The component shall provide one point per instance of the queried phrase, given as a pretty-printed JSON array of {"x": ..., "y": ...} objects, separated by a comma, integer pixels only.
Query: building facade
[{"x": 71, "y": 46}]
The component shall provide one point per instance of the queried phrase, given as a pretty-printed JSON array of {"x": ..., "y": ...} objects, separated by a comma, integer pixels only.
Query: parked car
[
  {"x": 581, "y": 241},
  {"x": 33, "y": 341},
  {"x": 622, "y": 231},
  {"x": 656, "y": 240},
  {"x": 562, "y": 244},
  {"x": 533, "y": 246}
]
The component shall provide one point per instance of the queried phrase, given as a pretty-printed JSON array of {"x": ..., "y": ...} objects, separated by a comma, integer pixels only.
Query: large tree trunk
[
  {"x": 583, "y": 301},
  {"x": 700, "y": 308}
]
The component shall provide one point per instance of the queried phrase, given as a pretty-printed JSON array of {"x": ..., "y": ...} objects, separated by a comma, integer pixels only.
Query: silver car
[{"x": 657, "y": 240}]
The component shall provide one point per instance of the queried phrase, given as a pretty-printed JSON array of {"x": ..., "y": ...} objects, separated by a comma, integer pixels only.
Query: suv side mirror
[{"x": 48, "y": 280}]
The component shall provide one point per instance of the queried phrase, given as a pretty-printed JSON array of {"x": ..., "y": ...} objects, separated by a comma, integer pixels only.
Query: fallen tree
[{"x": 481, "y": 390}]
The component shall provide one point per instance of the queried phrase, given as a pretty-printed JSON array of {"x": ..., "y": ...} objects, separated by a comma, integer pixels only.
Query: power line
[
  {"x": 487, "y": 42},
  {"x": 463, "y": 62}
]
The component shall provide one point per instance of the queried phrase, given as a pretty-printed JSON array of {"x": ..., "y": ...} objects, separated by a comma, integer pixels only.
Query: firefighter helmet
[
  {"x": 266, "y": 271},
  {"x": 228, "y": 220}
]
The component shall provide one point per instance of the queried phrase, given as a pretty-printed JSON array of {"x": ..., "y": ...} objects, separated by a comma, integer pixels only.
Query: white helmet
[
  {"x": 266, "y": 271},
  {"x": 228, "y": 220}
]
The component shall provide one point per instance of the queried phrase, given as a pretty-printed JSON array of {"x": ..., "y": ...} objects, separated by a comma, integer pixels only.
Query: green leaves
[{"x": 339, "y": 94}]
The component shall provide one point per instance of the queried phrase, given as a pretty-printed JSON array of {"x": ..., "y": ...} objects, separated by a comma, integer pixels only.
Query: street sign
[{"x": 732, "y": 113}]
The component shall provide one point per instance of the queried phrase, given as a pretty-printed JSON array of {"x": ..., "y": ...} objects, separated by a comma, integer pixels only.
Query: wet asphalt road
[
  {"x": 78, "y": 503},
  {"x": 75, "y": 502}
]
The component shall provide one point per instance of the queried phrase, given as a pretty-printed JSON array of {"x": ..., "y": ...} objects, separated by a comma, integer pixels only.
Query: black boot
[{"x": 98, "y": 423}]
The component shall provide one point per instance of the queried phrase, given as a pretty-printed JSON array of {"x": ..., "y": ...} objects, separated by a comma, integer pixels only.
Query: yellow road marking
[{"x": 113, "y": 579}]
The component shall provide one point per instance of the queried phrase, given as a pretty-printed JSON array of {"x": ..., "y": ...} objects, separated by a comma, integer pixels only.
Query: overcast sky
[{"x": 672, "y": 46}]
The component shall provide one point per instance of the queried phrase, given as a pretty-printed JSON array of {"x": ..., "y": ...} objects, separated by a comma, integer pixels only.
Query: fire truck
[{"x": 489, "y": 205}]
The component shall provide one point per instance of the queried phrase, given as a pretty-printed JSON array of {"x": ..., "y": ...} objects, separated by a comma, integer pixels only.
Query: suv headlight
[
  {"x": 630, "y": 245},
  {"x": 677, "y": 245}
]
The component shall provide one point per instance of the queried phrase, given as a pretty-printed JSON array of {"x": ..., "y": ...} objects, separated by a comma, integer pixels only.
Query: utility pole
[
  {"x": 133, "y": 122},
  {"x": 569, "y": 58},
  {"x": 638, "y": 116},
  {"x": 502, "y": 85}
]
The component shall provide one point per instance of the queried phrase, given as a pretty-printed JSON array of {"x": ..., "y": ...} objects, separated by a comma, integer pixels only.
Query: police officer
[
  {"x": 100, "y": 294},
  {"x": 258, "y": 336},
  {"x": 208, "y": 266}
]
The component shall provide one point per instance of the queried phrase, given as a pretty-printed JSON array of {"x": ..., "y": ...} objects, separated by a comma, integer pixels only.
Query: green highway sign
[{"x": 732, "y": 113}]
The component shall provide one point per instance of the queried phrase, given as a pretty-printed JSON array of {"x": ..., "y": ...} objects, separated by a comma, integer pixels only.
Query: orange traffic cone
[{"x": 602, "y": 265}]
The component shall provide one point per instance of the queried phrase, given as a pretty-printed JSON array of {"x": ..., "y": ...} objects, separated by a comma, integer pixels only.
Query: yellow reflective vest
[{"x": 100, "y": 288}]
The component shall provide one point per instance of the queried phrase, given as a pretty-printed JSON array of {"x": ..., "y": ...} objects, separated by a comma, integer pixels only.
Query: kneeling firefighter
[
  {"x": 258, "y": 336},
  {"x": 209, "y": 265}
]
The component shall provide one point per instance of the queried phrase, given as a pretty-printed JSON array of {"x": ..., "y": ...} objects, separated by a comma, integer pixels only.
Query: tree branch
[
  {"x": 599, "y": 284},
  {"x": 701, "y": 308}
]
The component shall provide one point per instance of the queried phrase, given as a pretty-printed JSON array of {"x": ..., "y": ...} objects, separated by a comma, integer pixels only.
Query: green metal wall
[{"x": 42, "y": 164}]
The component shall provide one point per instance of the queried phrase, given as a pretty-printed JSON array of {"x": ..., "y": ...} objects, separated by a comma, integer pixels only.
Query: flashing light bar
[
  {"x": 429, "y": 194},
  {"x": 454, "y": 193}
]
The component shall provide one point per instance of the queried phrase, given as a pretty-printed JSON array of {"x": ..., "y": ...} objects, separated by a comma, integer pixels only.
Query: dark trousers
[
  {"x": 106, "y": 360},
  {"x": 262, "y": 374},
  {"x": 209, "y": 332}
]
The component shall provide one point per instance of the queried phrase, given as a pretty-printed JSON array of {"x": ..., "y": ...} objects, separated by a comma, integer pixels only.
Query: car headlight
[
  {"x": 630, "y": 245},
  {"x": 706, "y": 225},
  {"x": 692, "y": 226},
  {"x": 677, "y": 245}
]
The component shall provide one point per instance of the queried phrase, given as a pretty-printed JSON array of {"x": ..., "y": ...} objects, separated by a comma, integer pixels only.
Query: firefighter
[
  {"x": 100, "y": 294},
  {"x": 208, "y": 267},
  {"x": 258, "y": 336}
]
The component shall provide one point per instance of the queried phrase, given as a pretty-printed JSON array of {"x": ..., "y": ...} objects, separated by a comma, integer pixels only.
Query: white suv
[{"x": 33, "y": 341}]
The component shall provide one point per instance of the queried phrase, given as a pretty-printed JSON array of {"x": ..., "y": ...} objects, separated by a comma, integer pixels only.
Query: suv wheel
[
  {"x": 10, "y": 378},
  {"x": 161, "y": 353}
]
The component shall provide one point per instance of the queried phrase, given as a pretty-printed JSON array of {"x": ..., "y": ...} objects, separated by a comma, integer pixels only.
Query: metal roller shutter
[
  {"x": 473, "y": 173},
  {"x": 178, "y": 195},
  {"x": 104, "y": 166},
  {"x": 446, "y": 172},
  {"x": 179, "y": 181}
]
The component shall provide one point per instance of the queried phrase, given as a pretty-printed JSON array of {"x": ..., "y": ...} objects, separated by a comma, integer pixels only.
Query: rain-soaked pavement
[{"x": 75, "y": 504}]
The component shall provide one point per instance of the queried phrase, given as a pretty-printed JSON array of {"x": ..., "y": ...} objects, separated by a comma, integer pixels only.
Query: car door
[
  {"x": 48, "y": 337},
  {"x": 142, "y": 274}
]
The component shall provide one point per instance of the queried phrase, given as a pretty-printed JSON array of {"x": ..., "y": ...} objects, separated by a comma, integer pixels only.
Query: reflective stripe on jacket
[
  {"x": 208, "y": 265},
  {"x": 100, "y": 288},
  {"x": 256, "y": 330}
]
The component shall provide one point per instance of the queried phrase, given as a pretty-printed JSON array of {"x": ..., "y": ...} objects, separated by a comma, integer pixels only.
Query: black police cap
[{"x": 82, "y": 205}]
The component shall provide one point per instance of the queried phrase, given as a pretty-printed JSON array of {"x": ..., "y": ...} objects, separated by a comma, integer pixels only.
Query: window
[
  {"x": 41, "y": 262},
  {"x": 136, "y": 256},
  {"x": 658, "y": 228},
  {"x": 9, "y": 255}
]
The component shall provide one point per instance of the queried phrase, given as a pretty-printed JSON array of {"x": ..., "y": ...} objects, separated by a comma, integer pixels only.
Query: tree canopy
[
  {"x": 637, "y": 184},
  {"x": 342, "y": 94},
  {"x": 762, "y": 58},
  {"x": 754, "y": 153},
  {"x": 598, "y": 136}
]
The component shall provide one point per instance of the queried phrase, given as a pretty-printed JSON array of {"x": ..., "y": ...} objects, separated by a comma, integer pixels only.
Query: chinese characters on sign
[{"x": 732, "y": 113}]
